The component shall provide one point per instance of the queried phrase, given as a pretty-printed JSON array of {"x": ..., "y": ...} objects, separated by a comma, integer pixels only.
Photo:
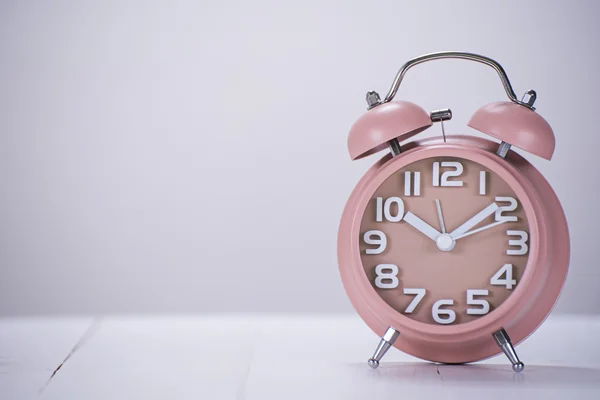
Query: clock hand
[
  {"x": 439, "y": 210},
  {"x": 421, "y": 226},
  {"x": 477, "y": 218},
  {"x": 483, "y": 228}
]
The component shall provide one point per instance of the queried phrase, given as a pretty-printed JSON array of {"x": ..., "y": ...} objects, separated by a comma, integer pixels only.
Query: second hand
[{"x": 483, "y": 228}]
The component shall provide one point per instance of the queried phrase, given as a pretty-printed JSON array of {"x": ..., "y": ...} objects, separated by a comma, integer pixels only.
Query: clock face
[{"x": 444, "y": 240}]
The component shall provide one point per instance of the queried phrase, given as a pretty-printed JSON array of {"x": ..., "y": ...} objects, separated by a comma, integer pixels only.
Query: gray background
[{"x": 191, "y": 156}]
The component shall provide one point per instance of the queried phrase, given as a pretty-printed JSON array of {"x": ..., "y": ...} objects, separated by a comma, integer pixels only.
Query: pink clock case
[
  {"x": 520, "y": 314},
  {"x": 514, "y": 123}
]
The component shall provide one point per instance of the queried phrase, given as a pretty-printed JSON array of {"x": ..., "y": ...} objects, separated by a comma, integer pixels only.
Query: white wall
[{"x": 191, "y": 156}]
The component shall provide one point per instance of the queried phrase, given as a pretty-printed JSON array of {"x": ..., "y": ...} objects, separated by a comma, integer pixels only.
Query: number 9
[{"x": 375, "y": 238}]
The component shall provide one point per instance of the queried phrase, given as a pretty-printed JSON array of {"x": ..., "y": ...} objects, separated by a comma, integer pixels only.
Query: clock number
[
  {"x": 507, "y": 281},
  {"x": 444, "y": 179},
  {"x": 482, "y": 179},
  {"x": 521, "y": 242},
  {"x": 419, "y": 294},
  {"x": 484, "y": 306},
  {"x": 443, "y": 316},
  {"x": 416, "y": 186},
  {"x": 384, "y": 209},
  {"x": 387, "y": 276},
  {"x": 376, "y": 238},
  {"x": 512, "y": 206}
]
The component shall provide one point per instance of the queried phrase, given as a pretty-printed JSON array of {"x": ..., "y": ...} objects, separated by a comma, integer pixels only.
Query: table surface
[{"x": 274, "y": 356}]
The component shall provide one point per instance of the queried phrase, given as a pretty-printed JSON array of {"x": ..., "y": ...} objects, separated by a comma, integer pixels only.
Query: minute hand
[{"x": 477, "y": 218}]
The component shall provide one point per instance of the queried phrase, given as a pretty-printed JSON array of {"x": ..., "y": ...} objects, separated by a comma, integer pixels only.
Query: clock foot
[
  {"x": 503, "y": 341},
  {"x": 386, "y": 342}
]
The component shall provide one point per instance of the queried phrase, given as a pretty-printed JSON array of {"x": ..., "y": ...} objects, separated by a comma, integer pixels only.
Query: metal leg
[
  {"x": 503, "y": 341},
  {"x": 386, "y": 342}
]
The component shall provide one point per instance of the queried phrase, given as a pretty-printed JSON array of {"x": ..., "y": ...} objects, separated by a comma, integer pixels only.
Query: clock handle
[{"x": 463, "y": 56}]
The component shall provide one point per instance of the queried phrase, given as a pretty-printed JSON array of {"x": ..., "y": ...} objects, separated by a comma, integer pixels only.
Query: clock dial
[{"x": 444, "y": 240}]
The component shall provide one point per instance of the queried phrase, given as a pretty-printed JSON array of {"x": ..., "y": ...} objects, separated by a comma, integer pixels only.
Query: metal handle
[{"x": 464, "y": 56}]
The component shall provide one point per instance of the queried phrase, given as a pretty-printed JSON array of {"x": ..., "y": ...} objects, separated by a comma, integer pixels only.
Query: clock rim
[
  {"x": 455, "y": 330},
  {"x": 522, "y": 312}
]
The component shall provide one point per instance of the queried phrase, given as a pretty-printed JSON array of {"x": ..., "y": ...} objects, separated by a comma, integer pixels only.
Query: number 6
[{"x": 436, "y": 312}]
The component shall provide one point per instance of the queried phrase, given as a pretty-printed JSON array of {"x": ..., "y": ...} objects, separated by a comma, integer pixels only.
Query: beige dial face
[{"x": 451, "y": 273}]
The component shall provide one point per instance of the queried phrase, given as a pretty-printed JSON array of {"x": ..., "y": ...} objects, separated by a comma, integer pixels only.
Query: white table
[{"x": 275, "y": 357}]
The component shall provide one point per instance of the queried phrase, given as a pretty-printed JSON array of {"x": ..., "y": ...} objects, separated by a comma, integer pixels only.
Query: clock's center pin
[{"x": 445, "y": 242}]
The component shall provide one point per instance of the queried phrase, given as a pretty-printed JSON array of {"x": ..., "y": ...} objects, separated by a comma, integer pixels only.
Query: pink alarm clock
[{"x": 452, "y": 249}]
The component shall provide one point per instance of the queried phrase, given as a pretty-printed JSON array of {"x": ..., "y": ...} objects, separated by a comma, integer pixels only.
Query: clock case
[{"x": 387, "y": 124}]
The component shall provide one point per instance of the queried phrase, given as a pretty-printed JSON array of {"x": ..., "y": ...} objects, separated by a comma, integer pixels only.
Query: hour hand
[{"x": 421, "y": 226}]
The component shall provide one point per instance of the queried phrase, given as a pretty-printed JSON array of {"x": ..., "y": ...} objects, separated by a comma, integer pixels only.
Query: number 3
[{"x": 521, "y": 242}]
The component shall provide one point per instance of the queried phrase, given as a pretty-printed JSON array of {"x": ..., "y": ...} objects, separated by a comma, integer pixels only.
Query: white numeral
[
  {"x": 501, "y": 209},
  {"x": 472, "y": 301},
  {"x": 458, "y": 170},
  {"x": 482, "y": 183},
  {"x": 508, "y": 281},
  {"x": 377, "y": 238},
  {"x": 522, "y": 242},
  {"x": 449, "y": 316},
  {"x": 419, "y": 294},
  {"x": 416, "y": 184},
  {"x": 384, "y": 209},
  {"x": 387, "y": 272}
]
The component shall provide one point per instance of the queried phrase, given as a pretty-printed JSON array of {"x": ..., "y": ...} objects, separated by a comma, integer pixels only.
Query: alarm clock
[{"x": 453, "y": 248}]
